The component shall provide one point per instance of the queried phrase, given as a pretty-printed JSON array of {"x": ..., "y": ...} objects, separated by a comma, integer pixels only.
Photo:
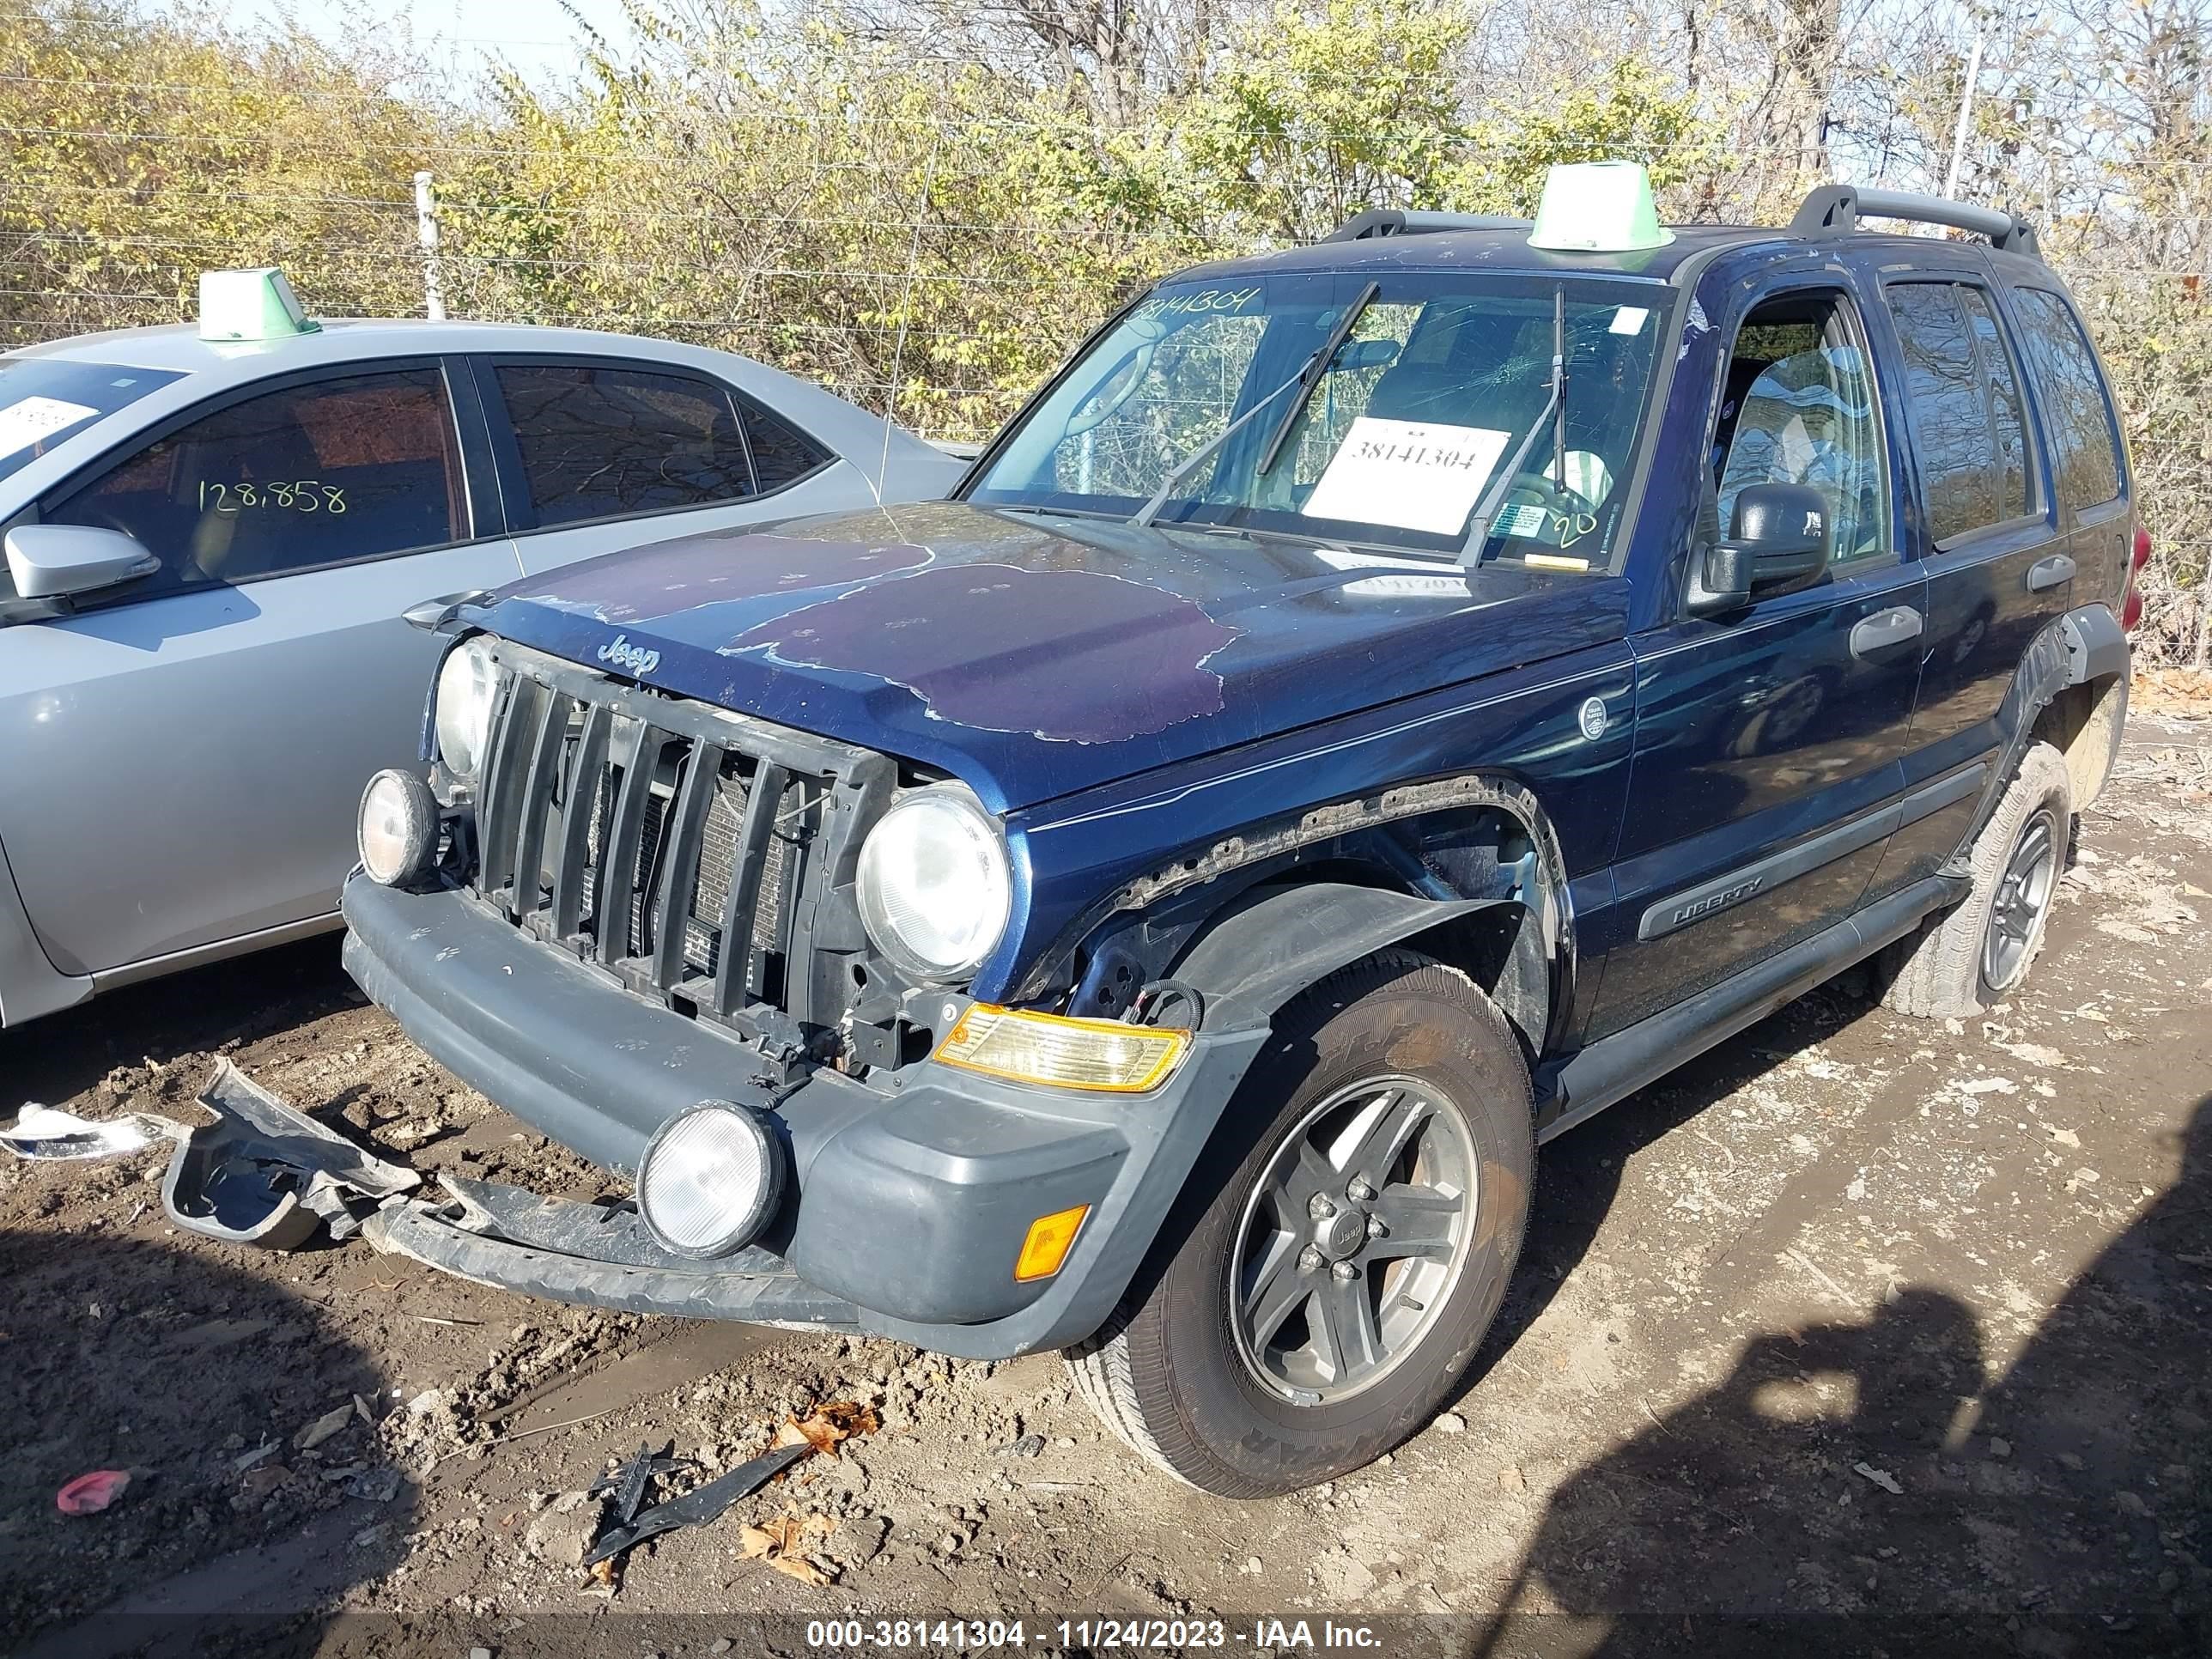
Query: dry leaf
[
  {"x": 825, "y": 1426},
  {"x": 799, "y": 1567},
  {"x": 754, "y": 1542}
]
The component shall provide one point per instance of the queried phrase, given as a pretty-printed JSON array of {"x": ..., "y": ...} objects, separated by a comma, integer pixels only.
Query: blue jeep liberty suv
[{"x": 1380, "y": 704}]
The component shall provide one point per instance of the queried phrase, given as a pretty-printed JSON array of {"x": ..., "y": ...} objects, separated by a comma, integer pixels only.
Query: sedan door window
[
  {"x": 606, "y": 441},
  {"x": 330, "y": 472}
]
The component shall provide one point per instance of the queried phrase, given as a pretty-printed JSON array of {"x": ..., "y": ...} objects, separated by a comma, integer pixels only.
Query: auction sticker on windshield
[
  {"x": 1408, "y": 474},
  {"x": 24, "y": 423}
]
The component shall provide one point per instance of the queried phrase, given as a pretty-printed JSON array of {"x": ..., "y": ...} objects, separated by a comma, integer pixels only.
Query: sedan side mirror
[
  {"x": 1780, "y": 542},
  {"x": 55, "y": 561}
]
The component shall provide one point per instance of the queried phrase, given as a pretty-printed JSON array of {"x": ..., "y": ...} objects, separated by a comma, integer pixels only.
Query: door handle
[
  {"x": 1884, "y": 629},
  {"x": 2053, "y": 572}
]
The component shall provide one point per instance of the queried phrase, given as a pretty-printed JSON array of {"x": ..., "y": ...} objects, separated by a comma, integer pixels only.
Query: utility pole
[
  {"x": 426, "y": 233},
  {"x": 1965, "y": 113}
]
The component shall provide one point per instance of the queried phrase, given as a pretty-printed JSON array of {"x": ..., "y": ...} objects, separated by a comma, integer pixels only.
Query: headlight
[
  {"x": 711, "y": 1180},
  {"x": 466, "y": 687},
  {"x": 398, "y": 830},
  {"x": 934, "y": 887}
]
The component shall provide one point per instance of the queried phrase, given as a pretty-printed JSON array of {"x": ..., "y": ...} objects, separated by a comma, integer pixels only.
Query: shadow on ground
[
  {"x": 139, "y": 1355},
  {"x": 1578, "y": 1175},
  {"x": 2064, "y": 1510},
  {"x": 64, "y": 1055}
]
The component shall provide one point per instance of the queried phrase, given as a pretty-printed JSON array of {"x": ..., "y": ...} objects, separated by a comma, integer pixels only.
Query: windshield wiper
[
  {"x": 1306, "y": 378},
  {"x": 1310, "y": 375},
  {"x": 1554, "y": 416},
  {"x": 1144, "y": 515}
]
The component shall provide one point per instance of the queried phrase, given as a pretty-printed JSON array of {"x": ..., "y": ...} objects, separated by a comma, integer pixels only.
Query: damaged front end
[{"x": 597, "y": 1255}]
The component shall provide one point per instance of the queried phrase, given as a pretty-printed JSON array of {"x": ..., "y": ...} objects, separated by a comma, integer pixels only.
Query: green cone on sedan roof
[{"x": 251, "y": 304}]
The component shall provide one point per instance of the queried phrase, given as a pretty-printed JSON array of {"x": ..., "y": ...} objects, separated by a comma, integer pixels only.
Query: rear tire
[
  {"x": 1342, "y": 1247},
  {"x": 1975, "y": 954}
]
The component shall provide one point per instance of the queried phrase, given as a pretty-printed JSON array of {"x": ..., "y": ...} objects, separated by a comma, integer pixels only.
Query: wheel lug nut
[
  {"x": 1359, "y": 1191},
  {"x": 1375, "y": 1229},
  {"x": 1321, "y": 1209},
  {"x": 1343, "y": 1270},
  {"x": 1310, "y": 1260}
]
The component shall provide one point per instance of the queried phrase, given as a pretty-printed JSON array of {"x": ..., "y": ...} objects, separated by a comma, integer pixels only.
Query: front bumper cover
[{"x": 910, "y": 1200}]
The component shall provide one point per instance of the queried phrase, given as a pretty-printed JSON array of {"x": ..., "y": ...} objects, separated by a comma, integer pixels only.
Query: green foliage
[
  {"x": 931, "y": 225},
  {"x": 1314, "y": 116},
  {"x": 1631, "y": 112}
]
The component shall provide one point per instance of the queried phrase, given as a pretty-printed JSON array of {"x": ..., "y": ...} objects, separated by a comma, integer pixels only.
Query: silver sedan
[{"x": 209, "y": 544}]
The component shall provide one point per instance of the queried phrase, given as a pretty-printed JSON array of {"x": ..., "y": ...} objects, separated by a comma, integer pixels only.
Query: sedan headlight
[
  {"x": 466, "y": 685},
  {"x": 935, "y": 888}
]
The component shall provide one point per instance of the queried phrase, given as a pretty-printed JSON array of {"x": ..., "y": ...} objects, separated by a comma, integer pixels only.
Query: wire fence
[{"x": 903, "y": 267}]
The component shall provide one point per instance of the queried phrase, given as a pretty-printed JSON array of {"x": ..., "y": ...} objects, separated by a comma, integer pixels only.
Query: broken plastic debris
[
  {"x": 697, "y": 1507},
  {"x": 267, "y": 1174},
  {"x": 43, "y": 1132},
  {"x": 88, "y": 1494},
  {"x": 262, "y": 1173},
  {"x": 628, "y": 1486}
]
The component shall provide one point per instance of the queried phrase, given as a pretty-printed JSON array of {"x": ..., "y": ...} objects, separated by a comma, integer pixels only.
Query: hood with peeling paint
[{"x": 1035, "y": 656}]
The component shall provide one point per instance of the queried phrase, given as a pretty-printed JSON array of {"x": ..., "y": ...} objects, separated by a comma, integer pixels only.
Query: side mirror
[
  {"x": 54, "y": 561},
  {"x": 1780, "y": 542}
]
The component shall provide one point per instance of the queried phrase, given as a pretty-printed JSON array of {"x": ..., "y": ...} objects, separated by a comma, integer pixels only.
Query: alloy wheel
[
  {"x": 2022, "y": 896},
  {"x": 1350, "y": 1237}
]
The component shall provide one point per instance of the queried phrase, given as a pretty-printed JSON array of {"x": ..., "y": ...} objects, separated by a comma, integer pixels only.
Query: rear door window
[
  {"x": 2084, "y": 438},
  {"x": 606, "y": 440},
  {"x": 2007, "y": 418},
  {"x": 328, "y": 472},
  {"x": 1965, "y": 409}
]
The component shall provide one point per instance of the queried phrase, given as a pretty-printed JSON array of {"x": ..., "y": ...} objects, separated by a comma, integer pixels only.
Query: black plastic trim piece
[
  {"x": 1834, "y": 210},
  {"x": 1694, "y": 905},
  {"x": 1614, "y": 1068}
]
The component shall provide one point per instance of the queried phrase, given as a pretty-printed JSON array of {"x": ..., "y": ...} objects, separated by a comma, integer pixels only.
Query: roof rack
[
  {"x": 1378, "y": 222},
  {"x": 1834, "y": 210}
]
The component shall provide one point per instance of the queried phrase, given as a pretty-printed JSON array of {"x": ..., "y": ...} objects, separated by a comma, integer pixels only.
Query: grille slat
[
  {"x": 672, "y": 854},
  {"x": 580, "y": 803},
  {"x": 500, "y": 803},
  {"x": 734, "y": 973},
  {"x": 682, "y": 830},
  {"x": 618, "y": 859},
  {"x": 545, "y": 754}
]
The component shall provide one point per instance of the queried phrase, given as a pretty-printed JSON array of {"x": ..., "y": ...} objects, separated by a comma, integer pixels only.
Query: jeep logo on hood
[{"x": 631, "y": 660}]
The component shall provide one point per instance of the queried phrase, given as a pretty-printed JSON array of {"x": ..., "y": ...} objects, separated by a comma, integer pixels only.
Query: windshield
[
  {"x": 1426, "y": 403},
  {"x": 44, "y": 400}
]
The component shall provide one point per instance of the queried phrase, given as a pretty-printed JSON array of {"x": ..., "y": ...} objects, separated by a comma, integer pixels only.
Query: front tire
[
  {"x": 1979, "y": 951},
  {"x": 1342, "y": 1247}
]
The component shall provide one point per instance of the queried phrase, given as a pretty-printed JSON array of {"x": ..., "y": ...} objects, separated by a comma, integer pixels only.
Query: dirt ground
[{"x": 1859, "y": 1334}]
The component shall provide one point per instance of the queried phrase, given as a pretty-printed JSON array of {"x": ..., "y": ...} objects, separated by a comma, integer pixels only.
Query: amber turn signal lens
[
  {"x": 1068, "y": 1053},
  {"x": 1047, "y": 1246}
]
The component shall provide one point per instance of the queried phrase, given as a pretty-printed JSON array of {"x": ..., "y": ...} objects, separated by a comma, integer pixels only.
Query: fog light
[
  {"x": 1068, "y": 1053},
  {"x": 399, "y": 829},
  {"x": 711, "y": 1180},
  {"x": 1047, "y": 1246}
]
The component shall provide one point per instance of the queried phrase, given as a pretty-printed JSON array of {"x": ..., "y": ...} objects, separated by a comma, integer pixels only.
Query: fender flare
[
  {"x": 2084, "y": 645},
  {"x": 1281, "y": 941}
]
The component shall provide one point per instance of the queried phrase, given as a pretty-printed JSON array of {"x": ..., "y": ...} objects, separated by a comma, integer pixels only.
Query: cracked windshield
[{"x": 1435, "y": 426}]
